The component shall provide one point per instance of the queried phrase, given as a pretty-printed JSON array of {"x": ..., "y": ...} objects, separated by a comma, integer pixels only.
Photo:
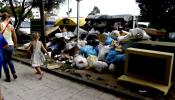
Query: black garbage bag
[{"x": 92, "y": 40}]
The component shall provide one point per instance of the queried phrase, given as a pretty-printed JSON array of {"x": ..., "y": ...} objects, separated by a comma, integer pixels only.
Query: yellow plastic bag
[{"x": 91, "y": 59}]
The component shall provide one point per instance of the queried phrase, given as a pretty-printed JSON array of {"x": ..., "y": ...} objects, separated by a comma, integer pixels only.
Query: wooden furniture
[
  {"x": 158, "y": 46},
  {"x": 148, "y": 68},
  {"x": 158, "y": 43}
]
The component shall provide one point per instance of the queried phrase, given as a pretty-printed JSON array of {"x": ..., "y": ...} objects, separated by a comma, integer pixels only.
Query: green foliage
[
  {"x": 18, "y": 10},
  {"x": 161, "y": 13},
  {"x": 24, "y": 7},
  {"x": 6, "y": 9},
  {"x": 49, "y": 4}
]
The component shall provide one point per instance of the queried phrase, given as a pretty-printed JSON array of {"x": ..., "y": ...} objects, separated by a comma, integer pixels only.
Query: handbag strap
[{"x": 6, "y": 26}]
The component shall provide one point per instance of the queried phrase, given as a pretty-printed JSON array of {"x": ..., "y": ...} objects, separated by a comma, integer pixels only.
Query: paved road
[{"x": 51, "y": 87}]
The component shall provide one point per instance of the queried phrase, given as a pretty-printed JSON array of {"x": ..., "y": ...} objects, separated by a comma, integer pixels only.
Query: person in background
[
  {"x": 37, "y": 57},
  {"x": 3, "y": 44},
  {"x": 8, "y": 31}
]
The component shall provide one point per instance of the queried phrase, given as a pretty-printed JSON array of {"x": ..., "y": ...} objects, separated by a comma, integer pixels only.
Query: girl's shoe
[{"x": 40, "y": 78}]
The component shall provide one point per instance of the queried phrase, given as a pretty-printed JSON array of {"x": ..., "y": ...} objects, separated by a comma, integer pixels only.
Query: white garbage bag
[
  {"x": 70, "y": 45},
  {"x": 59, "y": 35},
  {"x": 100, "y": 66},
  {"x": 138, "y": 33},
  {"x": 26, "y": 45},
  {"x": 93, "y": 31},
  {"x": 70, "y": 34},
  {"x": 102, "y": 52},
  {"x": 112, "y": 68},
  {"x": 80, "y": 62},
  {"x": 82, "y": 43},
  {"x": 81, "y": 31}
]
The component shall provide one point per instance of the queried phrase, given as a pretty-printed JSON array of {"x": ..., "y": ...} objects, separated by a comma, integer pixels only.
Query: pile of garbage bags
[{"x": 95, "y": 50}]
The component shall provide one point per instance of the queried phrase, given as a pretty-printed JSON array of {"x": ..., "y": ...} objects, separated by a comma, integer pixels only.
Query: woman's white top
[{"x": 7, "y": 33}]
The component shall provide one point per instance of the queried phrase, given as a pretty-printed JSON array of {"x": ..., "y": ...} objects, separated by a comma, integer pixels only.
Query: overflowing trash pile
[
  {"x": 100, "y": 48},
  {"x": 99, "y": 54},
  {"x": 94, "y": 50}
]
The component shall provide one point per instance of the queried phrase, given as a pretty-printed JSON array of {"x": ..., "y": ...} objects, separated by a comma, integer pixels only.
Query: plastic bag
[
  {"x": 115, "y": 34},
  {"x": 88, "y": 50},
  {"x": 59, "y": 35},
  {"x": 103, "y": 51},
  {"x": 138, "y": 33},
  {"x": 108, "y": 40},
  {"x": 172, "y": 35},
  {"x": 91, "y": 59},
  {"x": 80, "y": 62},
  {"x": 117, "y": 58},
  {"x": 111, "y": 55},
  {"x": 112, "y": 68},
  {"x": 81, "y": 31},
  {"x": 100, "y": 66},
  {"x": 70, "y": 45},
  {"x": 81, "y": 43}
]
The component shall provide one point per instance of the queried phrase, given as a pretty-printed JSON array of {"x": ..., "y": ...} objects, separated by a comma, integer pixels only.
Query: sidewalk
[
  {"x": 90, "y": 79},
  {"x": 51, "y": 87}
]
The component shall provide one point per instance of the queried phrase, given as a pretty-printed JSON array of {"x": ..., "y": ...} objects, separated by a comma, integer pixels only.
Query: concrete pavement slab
[{"x": 51, "y": 87}]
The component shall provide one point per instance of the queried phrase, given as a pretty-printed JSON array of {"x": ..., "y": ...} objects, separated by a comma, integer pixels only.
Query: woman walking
[
  {"x": 9, "y": 34},
  {"x": 3, "y": 44}
]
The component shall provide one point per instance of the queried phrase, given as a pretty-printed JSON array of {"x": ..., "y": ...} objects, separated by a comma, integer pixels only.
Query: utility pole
[
  {"x": 134, "y": 21},
  {"x": 42, "y": 19},
  {"x": 78, "y": 22},
  {"x": 68, "y": 12}
]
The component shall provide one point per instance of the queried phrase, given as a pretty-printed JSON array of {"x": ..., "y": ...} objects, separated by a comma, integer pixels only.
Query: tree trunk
[{"x": 43, "y": 38}]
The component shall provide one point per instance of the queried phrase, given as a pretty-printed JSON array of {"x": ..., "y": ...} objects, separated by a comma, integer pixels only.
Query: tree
[
  {"x": 25, "y": 8},
  {"x": 160, "y": 13},
  {"x": 1, "y": 4},
  {"x": 50, "y": 4},
  {"x": 95, "y": 11},
  {"x": 5, "y": 9},
  {"x": 19, "y": 10}
]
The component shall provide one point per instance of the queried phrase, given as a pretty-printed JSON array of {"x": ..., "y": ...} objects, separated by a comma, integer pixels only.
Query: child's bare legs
[{"x": 39, "y": 71}]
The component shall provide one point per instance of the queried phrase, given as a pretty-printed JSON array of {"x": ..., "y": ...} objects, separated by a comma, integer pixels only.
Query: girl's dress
[{"x": 37, "y": 58}]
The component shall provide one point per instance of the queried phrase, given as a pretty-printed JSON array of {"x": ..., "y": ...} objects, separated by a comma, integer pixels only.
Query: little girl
[{"x": 37, "y": 58}]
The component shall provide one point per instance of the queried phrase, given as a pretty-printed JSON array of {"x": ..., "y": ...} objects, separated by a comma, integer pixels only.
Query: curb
[{"x": 123, "y": 92}]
